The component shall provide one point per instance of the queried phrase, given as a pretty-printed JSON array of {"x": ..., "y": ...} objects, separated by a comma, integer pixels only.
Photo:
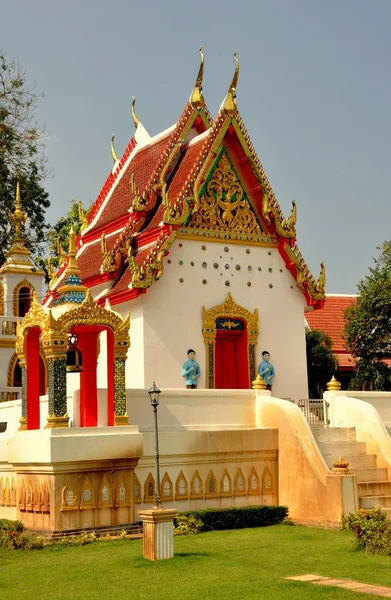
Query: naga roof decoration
[{"x": 199, "y": 179}]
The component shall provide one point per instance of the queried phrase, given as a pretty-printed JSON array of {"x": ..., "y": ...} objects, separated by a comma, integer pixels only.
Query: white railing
[
  {"x": 10, "y": 393},
  {"x": 315, "y": 411},
  {"x": 8, "y": 326}
]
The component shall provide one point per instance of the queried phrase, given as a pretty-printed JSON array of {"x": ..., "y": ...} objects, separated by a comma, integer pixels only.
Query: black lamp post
[{"x": 154, "y": 393}]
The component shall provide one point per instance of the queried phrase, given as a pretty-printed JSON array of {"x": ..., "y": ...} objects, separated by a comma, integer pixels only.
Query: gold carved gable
[{"x": 223, "y": 210}]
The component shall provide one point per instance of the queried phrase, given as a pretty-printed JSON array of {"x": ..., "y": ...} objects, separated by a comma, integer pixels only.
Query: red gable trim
[
  {"x": 110, "y": 181},
  {"x": 107, "y": 229},
  {"x": 96, "y": 279},
  {"x": 122, "y": 297}
]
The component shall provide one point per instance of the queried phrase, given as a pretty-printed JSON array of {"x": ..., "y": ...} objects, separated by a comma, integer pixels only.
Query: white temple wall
[{"x": 172, "y": 311}]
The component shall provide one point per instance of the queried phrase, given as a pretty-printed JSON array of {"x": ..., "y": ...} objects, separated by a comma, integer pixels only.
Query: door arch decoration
[
  {"x": 228, "y": 316},
  {"x": 26, "y": 301}
]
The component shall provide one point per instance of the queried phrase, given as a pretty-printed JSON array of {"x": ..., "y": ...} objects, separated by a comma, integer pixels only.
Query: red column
[
  {"x": 110, "y": 377},
  {"x": 88, "y": 386},
  {"x": 32, "y": 372}
]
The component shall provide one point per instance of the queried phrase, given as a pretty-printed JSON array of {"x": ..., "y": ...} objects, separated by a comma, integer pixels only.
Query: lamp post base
[{"x": 158, "y": 525}]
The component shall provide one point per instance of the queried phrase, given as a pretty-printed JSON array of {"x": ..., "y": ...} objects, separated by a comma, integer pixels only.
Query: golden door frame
[{"x": 228, "y": 309}]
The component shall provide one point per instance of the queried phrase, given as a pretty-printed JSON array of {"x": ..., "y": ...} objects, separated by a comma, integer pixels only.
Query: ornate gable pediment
[{"x": 224, "y": 210}]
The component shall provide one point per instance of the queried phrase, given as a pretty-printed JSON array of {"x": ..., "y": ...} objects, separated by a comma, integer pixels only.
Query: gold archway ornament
[
  {"x": 55, "y": 331},
  {"x": 229, "y": 308}
]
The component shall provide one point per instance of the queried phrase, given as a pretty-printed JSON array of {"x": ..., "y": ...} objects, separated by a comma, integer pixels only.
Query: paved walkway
[{"x": 347, "y": 584}]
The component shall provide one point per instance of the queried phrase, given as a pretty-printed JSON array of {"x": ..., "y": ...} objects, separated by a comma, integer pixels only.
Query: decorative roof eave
[
  {"x": 314, "y": 290},
  {"x": 151, "y": 269},
  {"x": 155, "y": 190}
]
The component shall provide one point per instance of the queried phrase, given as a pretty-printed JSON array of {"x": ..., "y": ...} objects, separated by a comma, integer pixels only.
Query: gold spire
[
  {"x": 72, "y": 268},
  {"x": 18, "y": 218},
  {"x": 197, "y": 98},
  {"x": 113, "y": 152},
  {"x": 136, "y": 120},
  {"x": 229, "y": 104}
]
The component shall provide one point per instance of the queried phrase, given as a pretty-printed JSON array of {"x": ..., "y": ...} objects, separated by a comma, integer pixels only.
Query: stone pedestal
[{"x": 158, "y": 526}]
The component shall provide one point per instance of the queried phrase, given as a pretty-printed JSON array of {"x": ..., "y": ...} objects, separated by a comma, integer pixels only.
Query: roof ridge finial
[
  {"x": 113, "y": 152},
  {"x": 18, "y": 217},
  {"x": 229, "y": 104},
  {"x": 197, "y": 98},
  {"x": 135, "y": 118}
]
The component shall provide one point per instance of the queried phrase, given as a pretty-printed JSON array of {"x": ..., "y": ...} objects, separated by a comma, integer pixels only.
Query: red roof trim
[
  {"x": 122, "y": 297},
  {"x": 107, "y": 229},
  {"x": 110, "y": 181},
  {"x": 96, "y": 279}
]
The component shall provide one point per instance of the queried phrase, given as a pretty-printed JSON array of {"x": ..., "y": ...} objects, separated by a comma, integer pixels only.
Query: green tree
[
  {"x": 321, "y": 362},
  {"x": 367, "y": 330},
  {"x": 20, "y": 156}
]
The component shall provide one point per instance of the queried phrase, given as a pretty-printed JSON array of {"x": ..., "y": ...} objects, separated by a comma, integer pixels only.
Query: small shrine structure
[{"x": 77, "y": 319}]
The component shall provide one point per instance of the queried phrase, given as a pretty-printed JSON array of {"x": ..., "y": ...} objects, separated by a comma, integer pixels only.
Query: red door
[{"x": 231, "y": 360}]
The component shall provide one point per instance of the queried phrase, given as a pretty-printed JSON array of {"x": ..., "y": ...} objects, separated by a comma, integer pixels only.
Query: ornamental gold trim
[
  {"x": 254, "y": 483},
  {"x": 166, "y": 486},
  {"x": 225, "y": 485},
  {"x": 239, "y": 483},
  {"x": 105, "y": 494},
  {"x": 152, "y": 268},
  {"x": 181, "y": 479},
  {"x": 69, "y": 497},
  {"x": 25, "y": 283},
  {"x": 149, "y": 489},
  {"x": 223, "y": 208},
  {"x": 230, "y": 310},
  {"x": 1, "y": 299},
  {"x": 122, "y": 495},
  {"x": 196, "y": 486},
  {"x": 211, "y": 489},
  {"x": 136, "y": 489},
  {"x": 267, "y": 482}
]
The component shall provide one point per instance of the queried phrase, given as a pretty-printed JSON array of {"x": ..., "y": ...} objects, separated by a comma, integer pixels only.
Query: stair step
[
  {"x": 374, "y": 488},
  {"x": 367, "y": 474},
  {"x": 334, "y": 434},
  {"x": 355, "y": 460},
  {"x": 342, "y": 448},
  {"x": 375, "y": 501}
]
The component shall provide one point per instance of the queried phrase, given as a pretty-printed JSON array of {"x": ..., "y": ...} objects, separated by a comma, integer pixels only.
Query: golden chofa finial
[
  {"x": 18, "y": 218},
  {"x": 197, "y": 98},
  {"x": 135, "y": 118},
  {"x": 113, "y": 152},
  {"x": 229, "y": 104}
]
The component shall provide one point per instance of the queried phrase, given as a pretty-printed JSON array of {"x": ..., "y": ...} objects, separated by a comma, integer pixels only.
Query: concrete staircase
[{"x": 374, "y": 487}]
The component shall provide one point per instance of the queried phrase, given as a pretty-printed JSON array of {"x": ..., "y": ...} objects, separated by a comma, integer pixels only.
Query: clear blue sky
[{"x": 314, "y": 92}]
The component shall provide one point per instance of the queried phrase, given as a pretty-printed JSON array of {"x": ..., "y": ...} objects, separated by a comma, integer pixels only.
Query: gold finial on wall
[
  {"x": 113, "y": 152},
  {"x": 258, "y": 383},
  {"x": 229, "y": 104},
  {"x": 320, "y": 284},
  {"x": 333, "y": 385},
  {"x": 135, "y": 118},
  {"x": 197, "y": 98}
]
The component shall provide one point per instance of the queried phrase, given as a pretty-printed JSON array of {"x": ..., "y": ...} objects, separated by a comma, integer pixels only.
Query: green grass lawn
[{"x": 248, "y": 563}]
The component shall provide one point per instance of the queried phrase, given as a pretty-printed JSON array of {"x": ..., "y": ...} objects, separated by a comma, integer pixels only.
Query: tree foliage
[
  {"x": 20, "y": 156},
  {"x": 367, "y": 331},
  {"x": 321, "y": 362},
  {"x": 59, "y": 232}
]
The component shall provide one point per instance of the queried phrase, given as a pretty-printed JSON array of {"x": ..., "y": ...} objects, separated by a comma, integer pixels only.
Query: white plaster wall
[
  {"x": 11, "y": 280},
  {"x": 173, "y": 311}
]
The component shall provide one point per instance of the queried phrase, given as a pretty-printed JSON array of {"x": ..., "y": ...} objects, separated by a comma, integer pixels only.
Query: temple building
[{"x": 187, "y": 235}]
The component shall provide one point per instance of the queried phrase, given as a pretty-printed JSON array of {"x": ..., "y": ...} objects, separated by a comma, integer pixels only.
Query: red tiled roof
[
  {"x": 330, "y": 319},
  {"x": 90, "y": 260},
  {"x": 121, "y": 285},
  {"x": 188, "y": 159},
  {"x": 143, "y": 166},
  {"x": 345, "y": 361}
]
